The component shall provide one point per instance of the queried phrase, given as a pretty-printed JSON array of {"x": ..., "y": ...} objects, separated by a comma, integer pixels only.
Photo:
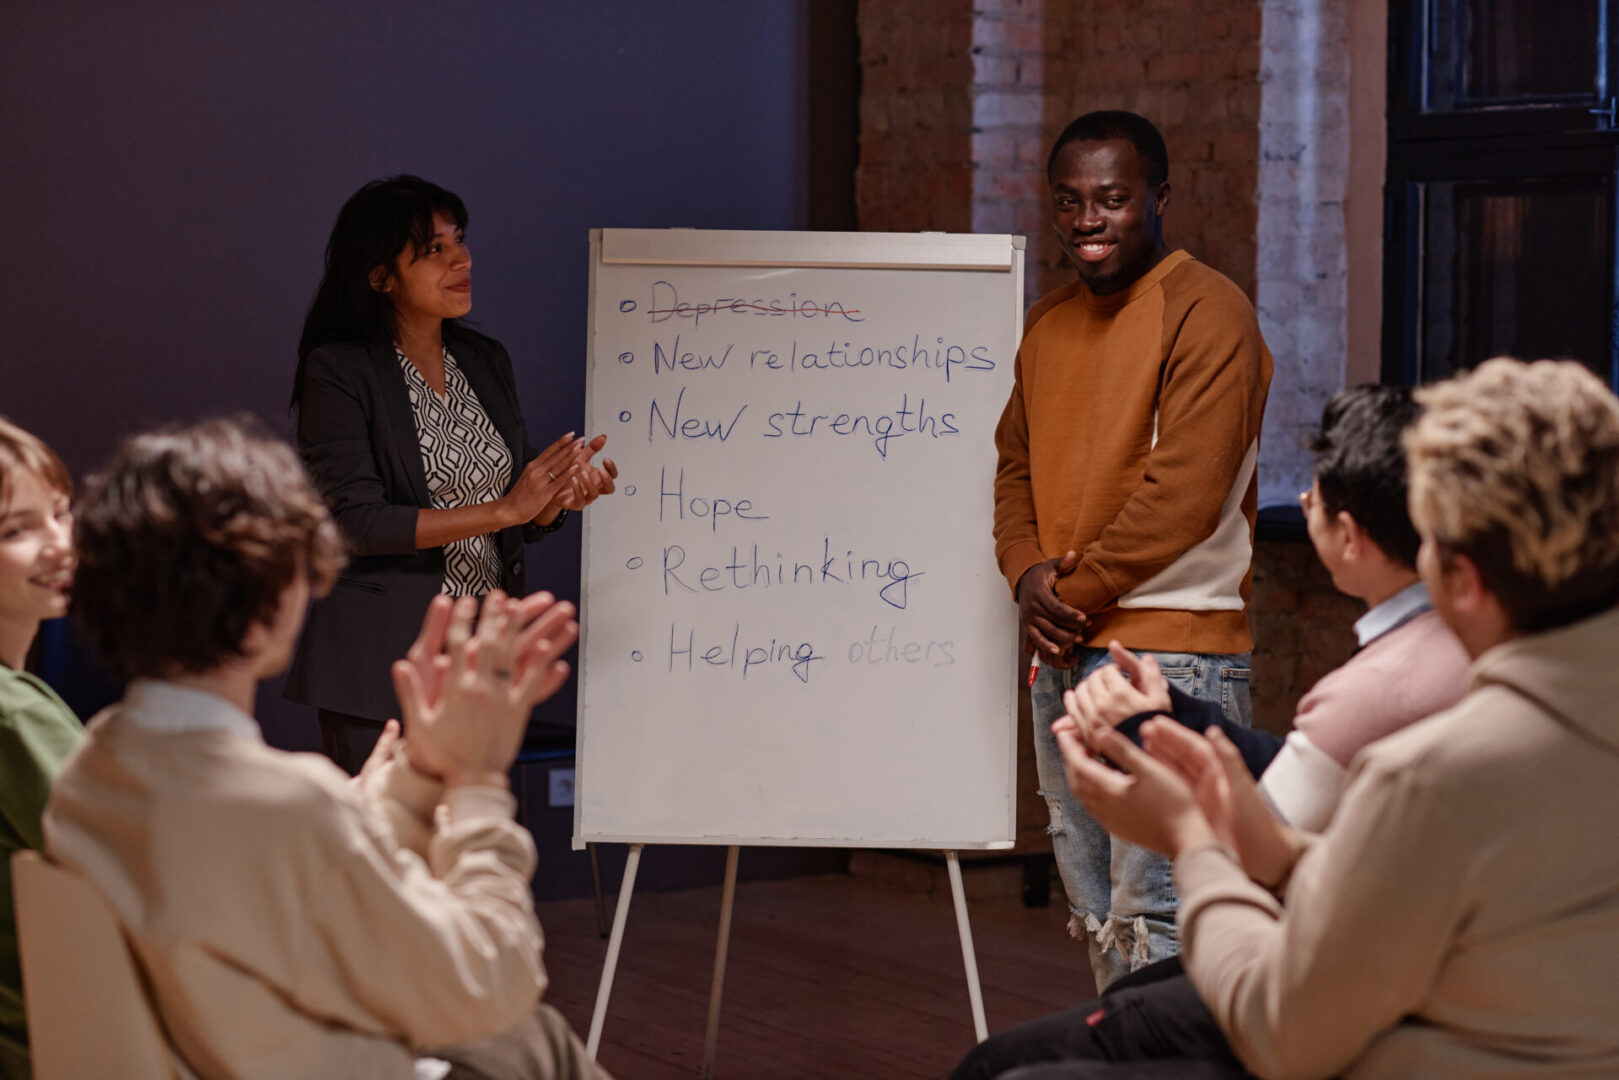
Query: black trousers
[
  {"x": 1149, "y": 1024},
  {"x": 347, "y": 739}
]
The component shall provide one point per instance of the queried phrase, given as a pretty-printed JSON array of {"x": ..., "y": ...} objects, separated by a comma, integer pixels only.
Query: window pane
[
  {"x": 1520, "y": 268},
  {"x": 1495, "y": 52}
]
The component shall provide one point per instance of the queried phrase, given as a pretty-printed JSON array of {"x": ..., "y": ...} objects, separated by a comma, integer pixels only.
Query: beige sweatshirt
[
  {"x": 1132, "y": 437},
  {"x": 291, "y": 923},
  {"x": 1460, "y": 916}
]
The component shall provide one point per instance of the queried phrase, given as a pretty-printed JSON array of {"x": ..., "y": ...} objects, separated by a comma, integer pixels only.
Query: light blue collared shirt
[
  {"x": 1403, "y": 606},
  {"x": 164, "y": 706}
]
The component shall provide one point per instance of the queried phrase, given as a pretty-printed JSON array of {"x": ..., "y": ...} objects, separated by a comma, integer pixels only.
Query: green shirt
[{"x": 37, "y": 733}]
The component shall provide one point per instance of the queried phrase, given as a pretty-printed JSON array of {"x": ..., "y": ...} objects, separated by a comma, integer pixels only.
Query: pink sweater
[{"x": 1413, "y": 671}]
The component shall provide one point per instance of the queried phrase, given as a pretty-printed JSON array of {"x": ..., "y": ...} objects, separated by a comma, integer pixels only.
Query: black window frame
[{"x": 1568, "y": 136}]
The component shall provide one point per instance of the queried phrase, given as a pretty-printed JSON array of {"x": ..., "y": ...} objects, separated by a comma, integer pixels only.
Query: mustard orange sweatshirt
[{"x": 1132, "y": 437}]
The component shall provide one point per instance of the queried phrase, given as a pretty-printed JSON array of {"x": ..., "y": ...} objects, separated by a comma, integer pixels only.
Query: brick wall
[
  {"x": 1302, "y": 629},
  {"x": 1011, "y": 104},
  {"x": 916, "y": 123},
  {"x": 958, "y": 109},
  {"x": 1191, "y": 67}
]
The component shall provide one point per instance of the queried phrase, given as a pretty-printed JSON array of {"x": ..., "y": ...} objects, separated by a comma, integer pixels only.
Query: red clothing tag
[{"x": 1096, "y": 1018}]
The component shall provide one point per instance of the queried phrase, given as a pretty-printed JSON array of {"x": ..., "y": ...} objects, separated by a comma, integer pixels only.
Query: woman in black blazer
[{"x": 410, "y": 426}]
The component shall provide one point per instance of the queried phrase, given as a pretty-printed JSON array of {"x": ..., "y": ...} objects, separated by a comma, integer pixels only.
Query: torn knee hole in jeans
[
  {"x": 1128, "y": 934},
  {"x": 1059, "y": 824},
  {"x": 1082, "y": 923}
]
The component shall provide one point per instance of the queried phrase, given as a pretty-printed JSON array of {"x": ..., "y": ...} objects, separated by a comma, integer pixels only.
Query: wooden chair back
[{"x": 88, "y": 1012}]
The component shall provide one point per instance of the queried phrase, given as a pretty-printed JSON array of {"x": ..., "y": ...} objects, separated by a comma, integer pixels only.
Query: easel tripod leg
[
  {"x": 969, "y": 958},
  {"x": 596, "y": 888},
  {"x": 620, "y": 917},
  {"x": 727, "y": 901}
]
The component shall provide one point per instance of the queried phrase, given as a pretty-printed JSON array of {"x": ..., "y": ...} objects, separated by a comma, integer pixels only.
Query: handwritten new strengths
[{"x": 676, "y": 420}]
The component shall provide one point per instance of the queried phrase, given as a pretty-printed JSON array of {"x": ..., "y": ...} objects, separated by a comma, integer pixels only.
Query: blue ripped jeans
[{"x": 1121, "y": 897}]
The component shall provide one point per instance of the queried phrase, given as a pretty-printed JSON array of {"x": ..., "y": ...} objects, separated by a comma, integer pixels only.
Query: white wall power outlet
[{"x": 559, "y": 787}]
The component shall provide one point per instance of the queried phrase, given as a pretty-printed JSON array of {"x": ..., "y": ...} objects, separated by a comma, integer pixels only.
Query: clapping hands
[
  {"x": 561, "y": 477},
  {"x": 1135, "y": 796},
  {"x": 590, "y": 481},
  {"x": 466, "y": 695},
  {"x": 1179, "y": 790},
  {"x": 1129, "y": 686}
]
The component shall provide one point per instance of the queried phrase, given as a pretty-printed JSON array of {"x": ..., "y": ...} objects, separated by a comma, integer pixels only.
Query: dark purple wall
[{"x": 169, "y": 175}]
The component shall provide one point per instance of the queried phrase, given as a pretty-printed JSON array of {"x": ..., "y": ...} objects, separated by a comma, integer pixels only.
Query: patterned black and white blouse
[{"x": 467, "y": 463}]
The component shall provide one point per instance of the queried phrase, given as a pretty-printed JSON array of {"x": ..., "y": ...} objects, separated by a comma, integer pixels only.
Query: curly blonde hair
[{"x": 1516, "y": 466}]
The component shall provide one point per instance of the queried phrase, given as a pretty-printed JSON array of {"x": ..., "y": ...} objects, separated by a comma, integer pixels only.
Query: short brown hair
[
  {"x": 22, "y": 452},
  {"x": 188, "y": 537},
  {"x": 1516, "y": 466}
]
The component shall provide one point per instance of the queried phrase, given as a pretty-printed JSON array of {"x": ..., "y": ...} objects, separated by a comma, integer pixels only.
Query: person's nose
[
  {"x": 1089, "y": 219},
  {"x": 59, "y": 536},
  {"x": 463, "y": 257}
]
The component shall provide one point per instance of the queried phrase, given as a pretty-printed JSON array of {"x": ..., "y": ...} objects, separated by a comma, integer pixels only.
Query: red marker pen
[{"x": 1034, "y": 668}]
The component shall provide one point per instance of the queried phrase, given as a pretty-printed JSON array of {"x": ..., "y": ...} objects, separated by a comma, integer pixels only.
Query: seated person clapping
[
  {"x": 1457, "y": 915},
  {"x": 1409, "y": 664},
  {"x": 291, "y": 922}
]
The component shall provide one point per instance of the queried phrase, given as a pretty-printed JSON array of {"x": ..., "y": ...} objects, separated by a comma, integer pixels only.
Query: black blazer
[{"x": 358, "y": 439}]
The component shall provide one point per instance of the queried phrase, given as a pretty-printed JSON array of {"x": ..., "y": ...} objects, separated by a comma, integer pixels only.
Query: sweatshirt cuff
[
  {"x": 1084, "y": 590},
  {"x": 1016, "y": 560},
  {"x": 1206, "y": 866},
  {"x": 400, "y": 783},
  {"x": 1211, "y": 875},
  {"x": 468, "y": 802},
  {"x": 1189, "y": 712}
]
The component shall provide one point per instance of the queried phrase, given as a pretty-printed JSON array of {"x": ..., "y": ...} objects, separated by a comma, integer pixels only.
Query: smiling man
[{"x": 1126, "y": 491}]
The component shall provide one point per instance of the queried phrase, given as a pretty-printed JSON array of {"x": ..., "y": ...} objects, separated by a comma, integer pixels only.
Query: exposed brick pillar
[
  {"x": 916, "y": 65},
  {"x": 1009, "y": 110},
  {"x": 1303, "y": 266}
]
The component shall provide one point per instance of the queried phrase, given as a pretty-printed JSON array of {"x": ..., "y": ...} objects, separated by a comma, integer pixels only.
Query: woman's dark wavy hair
[{"x": 374, "y": 226}]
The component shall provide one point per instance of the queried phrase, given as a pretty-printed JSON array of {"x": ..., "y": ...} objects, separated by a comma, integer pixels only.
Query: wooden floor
[{"x": 828, "y": 976}]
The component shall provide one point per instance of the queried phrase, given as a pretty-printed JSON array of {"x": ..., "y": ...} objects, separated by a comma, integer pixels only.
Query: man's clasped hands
[{"x": 1178, "y": 791}]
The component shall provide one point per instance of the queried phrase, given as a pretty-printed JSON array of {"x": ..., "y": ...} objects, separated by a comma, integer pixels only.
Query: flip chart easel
[{"x": 793, "y": 628}]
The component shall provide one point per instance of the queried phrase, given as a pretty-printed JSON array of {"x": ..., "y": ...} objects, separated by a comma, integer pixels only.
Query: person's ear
[
  {"x": 1468, "y": 593},
  {"x": 1355, "y": 537},
  {"x": 1160, "y": 198},
  {"x": 381, "y": 279},
  {"x": 256, "y": 640}
]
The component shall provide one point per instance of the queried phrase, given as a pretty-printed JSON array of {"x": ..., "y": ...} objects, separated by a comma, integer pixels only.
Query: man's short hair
[
  {"x": 188, "y": 537},
  {"x": 22, "y": 452},
  {"x": 1108, "y": 124},
  {"x": 1516, "y": 466},
  {"x": 1360, "y": 464}
]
